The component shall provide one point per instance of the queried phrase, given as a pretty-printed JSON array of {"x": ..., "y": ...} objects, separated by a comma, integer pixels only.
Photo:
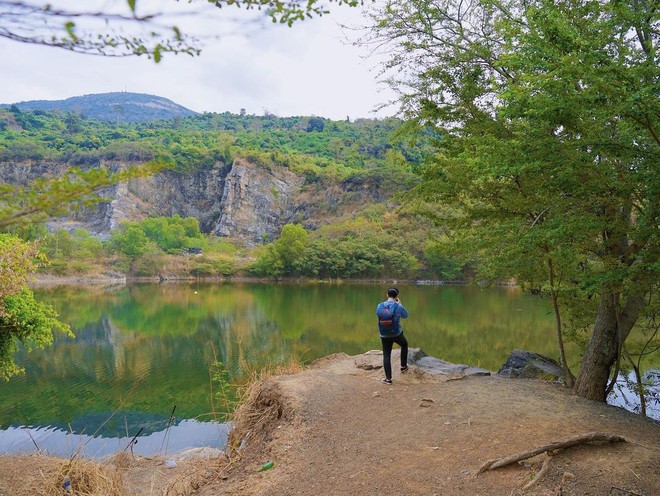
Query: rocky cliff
[
  {"x": 257, "y": 202},
  {"x": 241, "y": 200}
]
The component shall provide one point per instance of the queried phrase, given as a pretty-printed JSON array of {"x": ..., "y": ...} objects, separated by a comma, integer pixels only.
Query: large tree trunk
[{"x": 610, "y": 332}]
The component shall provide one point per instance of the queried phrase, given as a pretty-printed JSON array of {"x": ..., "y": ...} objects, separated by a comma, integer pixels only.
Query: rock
[
  {"x": 243, "y": 200},
  {"x": 373, "y": 359},
  {"x": 530, "y": 365},
  {"x": 369, "y": 361},
  {"x": 202, "y": 453},
  {"x": 434, "y": 365},
  {"x": 257, "y": 201}
]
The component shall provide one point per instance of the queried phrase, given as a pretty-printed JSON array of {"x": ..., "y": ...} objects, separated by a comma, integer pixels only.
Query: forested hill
[
  {"x": 113, "y": 107},
  {"x": 241, "y": 176}
]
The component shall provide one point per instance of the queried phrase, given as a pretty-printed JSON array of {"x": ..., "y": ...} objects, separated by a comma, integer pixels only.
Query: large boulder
[
  {"x": 434, "y": 365},
  {"x": 530, "y": 365}
]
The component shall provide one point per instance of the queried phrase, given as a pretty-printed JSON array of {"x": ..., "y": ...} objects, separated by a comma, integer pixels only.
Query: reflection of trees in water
[
  {"x": 149, "y": 348},
  {"x": 245, "y": 337},
  {"x": 625, "y": 393},
  {"x": 105, "y": 424}
]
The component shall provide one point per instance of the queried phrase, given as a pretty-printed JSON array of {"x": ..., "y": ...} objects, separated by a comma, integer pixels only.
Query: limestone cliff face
[
  {"x": 241, "y": 200},
  {"x": 257, "y": 202},
  {"x": 196, "y": 194}
]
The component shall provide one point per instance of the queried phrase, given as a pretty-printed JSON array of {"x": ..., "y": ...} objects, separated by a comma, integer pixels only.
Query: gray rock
[
  {"x": 257, "y": 201},
  {"x": 241, "y": 200},
  {"x": 434, "y": 365},
  {"x": 530, "y": 365}
]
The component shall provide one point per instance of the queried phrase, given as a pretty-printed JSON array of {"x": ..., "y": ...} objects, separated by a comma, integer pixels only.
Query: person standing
[{"x": 390, "y": 312}]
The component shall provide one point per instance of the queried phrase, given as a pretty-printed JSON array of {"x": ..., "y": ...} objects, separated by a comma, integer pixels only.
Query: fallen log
[{"x": 590, "y": 437}]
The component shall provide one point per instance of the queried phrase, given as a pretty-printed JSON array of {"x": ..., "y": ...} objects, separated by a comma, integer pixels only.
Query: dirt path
[
  {"x": 344, "y": 432},
  {"x": 335, "y": 429}
]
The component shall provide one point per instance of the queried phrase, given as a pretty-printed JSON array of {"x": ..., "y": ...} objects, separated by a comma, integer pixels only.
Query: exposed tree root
[
  {"x": 590, "y": 437},
  {"x": 542, "y": 472}
]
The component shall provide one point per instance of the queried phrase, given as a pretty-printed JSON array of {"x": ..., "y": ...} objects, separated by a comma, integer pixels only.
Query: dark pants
[{"x": 387, "y": 353}]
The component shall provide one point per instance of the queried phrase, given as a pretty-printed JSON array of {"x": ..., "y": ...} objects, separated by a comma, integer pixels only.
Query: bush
[
  {"x": 147, "y": 265},
  {"x": 215, "y": 266}
]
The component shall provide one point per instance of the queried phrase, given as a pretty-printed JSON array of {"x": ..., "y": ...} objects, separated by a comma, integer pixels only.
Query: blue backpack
[{"x": 386, "y": 317}]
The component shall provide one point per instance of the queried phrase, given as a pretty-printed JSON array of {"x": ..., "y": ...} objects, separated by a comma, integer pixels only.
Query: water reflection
[
  {"x": 140, "y": 350},
  {"x": 55, "y": 441}
]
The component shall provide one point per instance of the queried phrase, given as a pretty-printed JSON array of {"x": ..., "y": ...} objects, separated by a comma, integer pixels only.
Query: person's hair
[{"x": 392, "y": 292}]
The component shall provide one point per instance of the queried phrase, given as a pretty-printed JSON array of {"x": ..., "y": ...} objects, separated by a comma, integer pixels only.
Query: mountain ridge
[{"x": 120, "y": 106}]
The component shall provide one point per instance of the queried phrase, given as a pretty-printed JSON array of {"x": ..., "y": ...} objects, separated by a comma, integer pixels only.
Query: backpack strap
[{"x": 396, "y": 305}]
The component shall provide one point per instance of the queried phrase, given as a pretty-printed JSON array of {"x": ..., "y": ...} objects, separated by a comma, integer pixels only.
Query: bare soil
[{"x": 336, "y": 429}]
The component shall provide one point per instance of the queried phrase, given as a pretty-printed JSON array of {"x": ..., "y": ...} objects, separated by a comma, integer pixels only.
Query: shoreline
[
  {"x": 298, "y": 425},
  {"x": 82, "y": 280}
]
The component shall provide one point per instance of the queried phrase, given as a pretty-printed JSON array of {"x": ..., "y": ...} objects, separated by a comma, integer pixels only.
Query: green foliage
[
  {"x": 360, "y": 248},
  {"x": 215, "y": 265},
  {"x": 147, "y": 265},
  {"x": 222, "y": 246},
  {"x": 168, "y": 234},
  {"x": 62, "y": 244},
  {"x": 172, "y": 234},
  {"x": 547, "y": 119},
  {"x": 441, "y": 263},
  {"x": 282, "y": 257},
  {"x": 22, "y": 318},
  {"x": 130, "y": 240},
  {"x": 224, "y": 394}
]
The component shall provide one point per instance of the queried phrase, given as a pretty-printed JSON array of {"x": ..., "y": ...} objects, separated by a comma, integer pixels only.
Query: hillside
[
  {"x": 113, "y": 107},
  {"x": 241, "y": 176}
]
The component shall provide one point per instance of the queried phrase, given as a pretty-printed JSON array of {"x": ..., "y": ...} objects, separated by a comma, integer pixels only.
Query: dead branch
[{"x": 590, "y": 437}]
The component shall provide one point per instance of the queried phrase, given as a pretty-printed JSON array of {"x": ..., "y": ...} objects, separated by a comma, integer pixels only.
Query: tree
[
  {"x": 546, "y": 163},
  {"x": 103, "y": 32},
  {"x": 22, "y": 318},
  {"x": 130, "y": 240},
  {"x": 315, "y": 124},
  {"x": 282, "y": 256}
]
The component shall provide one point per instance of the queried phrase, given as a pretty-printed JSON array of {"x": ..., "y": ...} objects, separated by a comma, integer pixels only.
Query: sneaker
[
  {"x": 404, "y": 369},
  {"x": 386, "y": 381}
]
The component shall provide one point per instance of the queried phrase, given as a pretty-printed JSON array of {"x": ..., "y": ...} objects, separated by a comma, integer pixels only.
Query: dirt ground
[{"x": 336, "y": 429}]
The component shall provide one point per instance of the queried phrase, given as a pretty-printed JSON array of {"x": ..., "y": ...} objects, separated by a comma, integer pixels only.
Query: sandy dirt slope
[{"x": 344, "y": 432}]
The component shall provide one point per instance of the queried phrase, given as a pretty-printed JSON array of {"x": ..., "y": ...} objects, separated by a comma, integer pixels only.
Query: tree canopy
[
  {"x": 546, "y": 160},
  {"x": 22, "y": 318},
  {"x": 128, "y": 27}
]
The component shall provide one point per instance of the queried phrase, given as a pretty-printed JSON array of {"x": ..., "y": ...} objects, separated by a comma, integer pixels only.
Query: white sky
[{"x": 303, "y": 70}]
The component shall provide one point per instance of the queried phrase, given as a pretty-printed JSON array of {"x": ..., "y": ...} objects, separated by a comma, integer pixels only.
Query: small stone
[{"x": 375, "y": 395}]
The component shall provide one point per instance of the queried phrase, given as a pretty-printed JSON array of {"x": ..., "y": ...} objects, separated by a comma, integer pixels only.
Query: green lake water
[{"x": 142, "y": 351}]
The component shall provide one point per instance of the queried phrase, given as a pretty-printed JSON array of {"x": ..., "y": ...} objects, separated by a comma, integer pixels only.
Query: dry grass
[
  {"x": 87, "y": 478},
  {"x": 261, "y": 402},
  {"x": 197, "y": 475}
]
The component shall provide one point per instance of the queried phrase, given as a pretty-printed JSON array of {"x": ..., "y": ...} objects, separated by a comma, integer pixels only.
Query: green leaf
[
  {"x": 157, "y": 53},
  {"x": 70, "y": 27}
]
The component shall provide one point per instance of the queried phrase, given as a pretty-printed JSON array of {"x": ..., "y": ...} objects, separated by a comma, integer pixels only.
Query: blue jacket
[{"x": 399, "y": 313}]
